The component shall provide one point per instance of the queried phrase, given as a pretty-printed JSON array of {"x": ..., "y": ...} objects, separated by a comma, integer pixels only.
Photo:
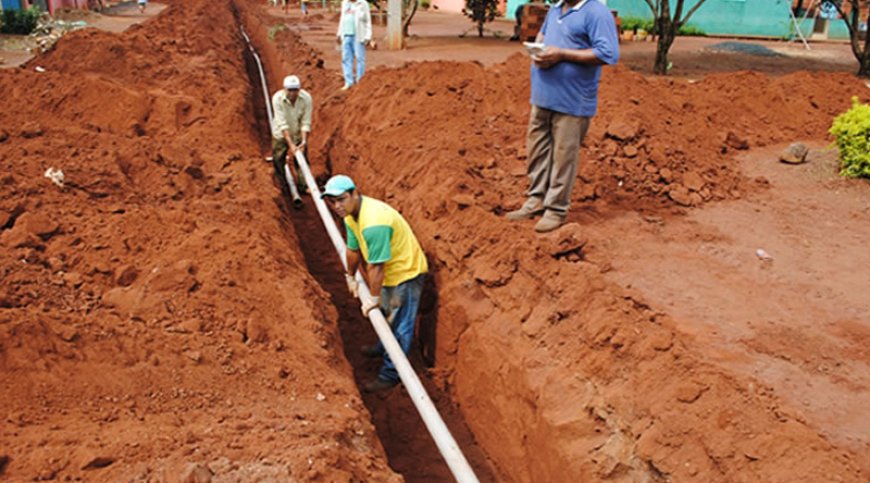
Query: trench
[{"x": 410, "y": 449}]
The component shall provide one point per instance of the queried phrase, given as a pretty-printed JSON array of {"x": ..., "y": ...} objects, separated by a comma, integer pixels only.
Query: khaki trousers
[{"x": 554, "y": 145}]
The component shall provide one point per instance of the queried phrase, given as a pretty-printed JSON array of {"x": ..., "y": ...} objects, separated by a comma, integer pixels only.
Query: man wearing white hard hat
[{"x": 290, "y": 126}]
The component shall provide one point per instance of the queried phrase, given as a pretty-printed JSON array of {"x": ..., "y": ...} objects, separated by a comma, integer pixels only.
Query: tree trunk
[
  {"x": 864, "y": 69},
  {"x": 480, "y": 28},
  {"x": 407, "y": 22},
  {"x": 666, "y": 39},
  {"x": 864, "y": 60}
]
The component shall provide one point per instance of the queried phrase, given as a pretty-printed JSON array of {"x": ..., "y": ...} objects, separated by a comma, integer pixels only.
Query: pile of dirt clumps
[
  {"x": 654, "y": 141},
  {"x": 154, "y": 321},
  {"x": 557, "y": 371}
]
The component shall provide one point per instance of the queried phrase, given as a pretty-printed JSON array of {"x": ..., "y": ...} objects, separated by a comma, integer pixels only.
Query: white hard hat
[{"x": 292, "y": 82}]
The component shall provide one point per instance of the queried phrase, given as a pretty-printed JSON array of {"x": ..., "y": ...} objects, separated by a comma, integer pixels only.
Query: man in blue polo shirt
[{"x": 579, "y": 37}]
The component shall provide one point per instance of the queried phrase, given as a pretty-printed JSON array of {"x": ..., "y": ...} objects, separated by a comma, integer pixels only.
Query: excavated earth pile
[
  {"x": 558, "y": 372},
  {"x": 155, "y": 323}
]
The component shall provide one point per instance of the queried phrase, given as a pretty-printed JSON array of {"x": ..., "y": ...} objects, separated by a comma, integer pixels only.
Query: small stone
[
  {"x": 623, "y": 130},
  {"x": 197, "y": 473},
  {"x": 690, "y": 392},
  {"x": 68, "y": 333},
  {"x": 587, "y": 191},
  {"x": 463, "y": 201},
  {"x": 194, "y": 172},
  {"x": 629, "y": 151},
  {"x": 693, "y": 181},
  {"x": 127, "y": 277},
  {"x": 73, "y": 278},
  {"x": 737, "y": 142},
  {"x": 256, "y": 331},
  {"x": 567, "y": 243},
  {"x": 38, "y": 224},
  {"x": 680, "y": 195},
  {"x": 666, "y": 174},
  {"x": 191, "y": 325},
  {"x": 101, "y": 267},
  {"x": 98, "y": 462},
  {"x": 195, "y": 356},
  {"x": 31, "y": 129},
  {"x": 54, "y": 263},
  {"x": 795, "y": 153},
  {"x": 4, "y": 135}
]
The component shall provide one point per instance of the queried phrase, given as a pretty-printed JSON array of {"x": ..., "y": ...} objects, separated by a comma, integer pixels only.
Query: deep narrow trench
[{"x": 409, "y": 447}]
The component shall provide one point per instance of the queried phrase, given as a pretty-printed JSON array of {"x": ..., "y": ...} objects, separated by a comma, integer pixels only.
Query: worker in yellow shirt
[{"x": 395, "y": 265}]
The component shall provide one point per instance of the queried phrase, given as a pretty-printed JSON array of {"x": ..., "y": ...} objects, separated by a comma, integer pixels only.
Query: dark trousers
[{"x": 279, "y": 158}]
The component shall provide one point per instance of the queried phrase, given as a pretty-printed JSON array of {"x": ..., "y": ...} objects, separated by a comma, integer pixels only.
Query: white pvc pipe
[
  {"x": 450, "y": 451},
  {"x": 294, "y": 192}
]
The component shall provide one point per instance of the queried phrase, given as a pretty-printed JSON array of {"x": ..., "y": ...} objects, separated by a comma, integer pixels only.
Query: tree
[
  {"x": 853, "y": 23},
  {"x": 666, "y": 26},
  {"x": 409, "y": 8},
  {"x": 480, "y": 12}
]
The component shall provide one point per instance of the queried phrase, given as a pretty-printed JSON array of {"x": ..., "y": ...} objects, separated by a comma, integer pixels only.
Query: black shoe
[
  {"x": 380, "y": 385},
  {"x": 371, "y": 351},
  {"x": 297, "y": 203}
]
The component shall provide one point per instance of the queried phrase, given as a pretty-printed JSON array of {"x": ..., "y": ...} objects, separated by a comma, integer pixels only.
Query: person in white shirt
[{"x": 354, "y": 34}]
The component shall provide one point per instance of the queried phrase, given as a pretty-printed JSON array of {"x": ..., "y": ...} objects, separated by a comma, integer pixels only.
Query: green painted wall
[
  {"x": 512, "y": 6},
  {"x": 764, "y": 18}
]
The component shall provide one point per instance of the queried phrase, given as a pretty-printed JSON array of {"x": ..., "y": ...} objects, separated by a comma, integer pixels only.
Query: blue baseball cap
[{"x": 337, "y": 186}]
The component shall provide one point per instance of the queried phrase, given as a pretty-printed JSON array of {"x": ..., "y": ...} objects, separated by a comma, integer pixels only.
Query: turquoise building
[{"x": 750, "y": 18}]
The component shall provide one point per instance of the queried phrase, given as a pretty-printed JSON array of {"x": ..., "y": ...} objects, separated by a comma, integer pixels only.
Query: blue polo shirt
[{"x": 569, "y": 87}]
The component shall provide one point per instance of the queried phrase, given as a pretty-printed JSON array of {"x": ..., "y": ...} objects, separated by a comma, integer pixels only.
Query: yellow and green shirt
[{"x": 383, "y": 236}]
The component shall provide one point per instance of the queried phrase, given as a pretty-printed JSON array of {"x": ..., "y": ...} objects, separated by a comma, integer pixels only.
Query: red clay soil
[
  {"x": 557, "y": 371},
  {"x": 409, "y": 447},
  {"x": 155, "y": 322}
]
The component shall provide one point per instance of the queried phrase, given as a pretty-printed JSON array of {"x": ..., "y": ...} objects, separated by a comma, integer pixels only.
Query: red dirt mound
[
  {"x": 653, "y": 139},
  {"x": 153, "y": 323},
  {"x": 557, "y": 371}
]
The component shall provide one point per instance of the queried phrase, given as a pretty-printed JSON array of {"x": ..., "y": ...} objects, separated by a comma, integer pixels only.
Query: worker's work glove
[
  {"x": 368, "y": 306},
  {"x": 352, "y": 285}
]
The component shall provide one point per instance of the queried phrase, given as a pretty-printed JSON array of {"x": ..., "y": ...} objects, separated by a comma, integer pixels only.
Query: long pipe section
[
  {"x": 431, "y": 418},
  {"x": 294, "y": 192}
]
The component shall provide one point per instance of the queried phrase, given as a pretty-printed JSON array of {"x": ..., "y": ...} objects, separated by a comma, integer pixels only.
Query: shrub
[
  {"x": 20, "y": 22},
  {"x": 638, "y": 23},
  {"x": 649, "y": 25},
  {"x": 425, "y": 4},
  {"x": 480, "y": 12},
  {"x": 852, "y": 132},
  {"x": 691, "y": 30}
]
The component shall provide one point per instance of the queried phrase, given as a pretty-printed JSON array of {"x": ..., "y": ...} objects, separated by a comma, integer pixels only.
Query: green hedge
[
  {"x": 852, "y": 130},
  {"x": 20, "y": 22},
  {"x": 648, "y": 25}
]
